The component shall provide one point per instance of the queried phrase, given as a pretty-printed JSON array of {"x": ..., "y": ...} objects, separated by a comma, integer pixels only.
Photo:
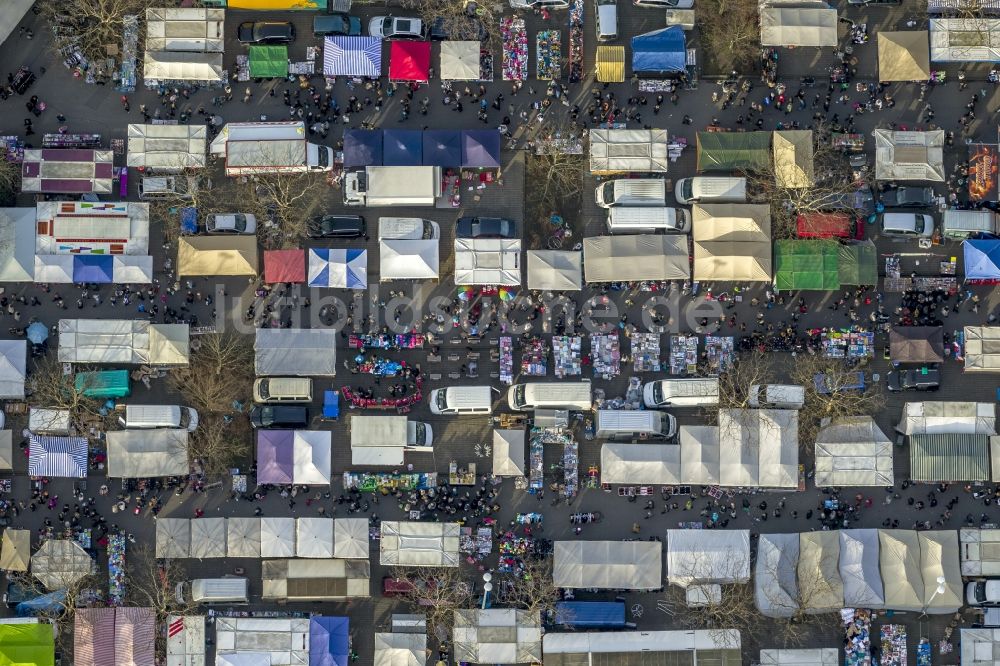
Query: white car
[
  {"x": 664, "y": 4},
  {"x": 983, "y": 593},
  {"x": 396, "y": 27},
  {"x": 539, "y": 4},
  {"x": 233, "y": 223}
]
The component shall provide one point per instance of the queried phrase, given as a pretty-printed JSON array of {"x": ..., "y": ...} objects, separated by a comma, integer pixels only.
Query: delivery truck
[
  {"x": 280, "y": 147},
  {"x": 393, "y": 186}
]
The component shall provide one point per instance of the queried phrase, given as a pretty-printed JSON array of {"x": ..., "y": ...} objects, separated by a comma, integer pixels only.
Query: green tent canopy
[
  {"x": 858, "y": 263},
  {"x": 806, "y": 264},
  {"x": 27, "y": 645},
  {"x": 730, "y": 151},
  {"x": 268, "y": 62}
]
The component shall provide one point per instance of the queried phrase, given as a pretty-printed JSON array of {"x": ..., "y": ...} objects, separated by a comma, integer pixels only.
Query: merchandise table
[
  {"x": 893, "y": 645},
  {"x": 646, "y": 352},
  {"x": 116, "y": 569},
  {"x": 385, "y": 482},
  {"x": 848, "y": 343},
  {"x": 575, "y": 60},
  {"x": 386, "y": 341},
  {"x": 485, "y": 65},
  {"x": 720, "y": 352},
  {"x": 566, "y": 352},
  {"x": 571, "y": 467},
  {"x": 479, "y": 543},
  {"x": 683, "y": 354},
  {"x": 382, "y": 367},
  {"x": 506, "y": 360},
  {"x": 515, "y": 48},
  {"x": 606, "y": 355},
  {"x": 536, "y": 463},
  {"x": 534, "y": 358},
  {"x": 857, "y": 629},
  {"x": 548, "y": 55}
]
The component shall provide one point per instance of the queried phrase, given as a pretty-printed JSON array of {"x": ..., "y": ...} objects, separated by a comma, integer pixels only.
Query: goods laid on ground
[
  {"x": 575, "y": 60},
  {"x": 646, "y": 352},
  {"x": 683, "y": 354},
  {"x": 566, "y": 352},
  {"x": 506, "y": 360},
  {"x": 857, "y": 630},
  {"x": 548, "y": 54},
  {"x": 606, "y": 355},
  {"x": 719, "y": 352},
  {"x": 534, "y": 358},
  {"x": 515, "y": 48}
]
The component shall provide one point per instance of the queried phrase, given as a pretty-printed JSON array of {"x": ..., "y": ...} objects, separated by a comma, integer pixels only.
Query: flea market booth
[
  {"x": 652, "y": 464},
  {"x": 167, "y": 148},
  {"x": 853, "y": 451},
  {"x": 614, "y": 565},
  {"x": 186, "y": 29},
  {"x": 610, "y": 64},
  {"x": 903, "y": 56},
  {"x": 662, "y": 52},
  {"x": 508, "y": 453},
  {"x": 793, "y": 158},
  {"x": 700, "y": 562},
  {"x": 13, "y": 369},
  {"x": 352, "y": 56},
  {"x": 402, "y": 147},
  {"x": 732, "y": 151},
  {"x": 497, "y": 636},
  {"x": 362, "y": 147},
  {"x": 17, "y": 244},
  {"x": 488, "y": 261},
  {"x": 409, "y": 259},
  {"x": 460, "y": 60},
  {"x": 635, "y": 258},
  {"x": 268, "y": 61},
  {"x": 409, "y": 61},
  {"x": 339, "y": 268},
  {"x": 797, "y": 24},
  {"x": 981, "y": 260},
  {"x": 306, "y": 352},
  {"x": 720, "y": 647},
  {"x": 916, "y": 344},
  {"x": 67, "y": 171},
  {"x": 481, "y": 149},
  {"x": 982, "y": 348},
  {"x": 732, "y": 242},
  {"x": 294, "y": 456},
  {"x": 776, "y": 588},
  {"x": 416, "y": 544},
  {"x": 171, "y": 67},
  {"x": 216, "y": 256},
  {"x": 124, "y": 635},
  {"x": 325, "y": 579},
  {"x": 909, "y": 155},
  {"x": 806, "y": 265},
  {"x": 965, "y": 39},
  {"x": 138, "y": 454},
  {"x": 555, "y": 270},
  {"x": 284, "y": 266},
  {"x": 314, "y": 538}
]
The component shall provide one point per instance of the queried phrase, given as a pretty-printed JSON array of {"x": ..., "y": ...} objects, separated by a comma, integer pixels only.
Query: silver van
[
  {"x": 550, "y": 395},
  {"x": 283, "y": 389},
  {"x": 459, "y": 400},
  {"x": 607, "y": 20},
  {"x": 960, "y": 224},
  {"x": 907, "y": 225},
  {"x": 777, "y": 396},
  {"x": 634, "y": 192},
  {"x": 160, "y": 416},
  {"x": 407, "y": 228},
  {"x": 686, "y": 392},
  {"x": 630, "y": 425},
  {"x": 711, "y": 189},
  {"x": 226, "y": 590},
  {"x": 177, "y": 187},
  {"x": 649, "y": 220}
]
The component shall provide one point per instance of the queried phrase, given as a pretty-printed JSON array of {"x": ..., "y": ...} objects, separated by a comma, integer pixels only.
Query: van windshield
[
  {"x": 428, "y": 230},
  {"x": 686, "y": 189},
  {"x": 657, "y": 393},
  {"x": 518, "y": 396},
  {"x": 608, "y": 193},
  {"x": 664, "y": 427},
  {"x": 185, "y": 417},
  {"x": 420, "y": 433},
  {"x": 442, "y": 399},
  {"x": 323, "y": 156},
  {"x": 262, "y": 388}
]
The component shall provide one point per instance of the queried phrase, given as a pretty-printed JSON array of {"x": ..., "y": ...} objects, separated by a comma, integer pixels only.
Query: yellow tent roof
[
  {"x": 15, "y": 550},
  {"x": 904, "y": 56},
  {"x": 793, "y": 158},
  {"x": 216, "y": 255},
  {"x": 611, "y": 64}
]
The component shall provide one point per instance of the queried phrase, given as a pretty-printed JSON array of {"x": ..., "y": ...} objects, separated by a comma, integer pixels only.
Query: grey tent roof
[
  {"x": 628, "y": 565},
  {"x": 173, "y": 537},
  {"x": 853, "y": 451},
  {"x": 982, "y": 348},
  {"x": 636, "y": 257},
  {"x": 916, "y": 344},
  {"x": 13, "y": 368},
  {"x": 821, "y": 588},
  {"x": 243, "y": 537},
  {"x": 508, "y": 452},
  {"x": 859, "y": 569},
  {"x": 497, "y": 636},
  {"x": 776, "y": 587},
  {"x": 350, "y": 538},
  {"x": 899, "y": 563},
  {"x": 59, "y": 563},
  {"x": 555, "y": 270},
  {"x": 208, "y": 537}
]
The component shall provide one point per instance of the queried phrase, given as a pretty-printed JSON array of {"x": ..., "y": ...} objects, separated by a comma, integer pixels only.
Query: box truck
[
  {"x": 281, "y": 147},
  {"x": 393, "y": 186}
]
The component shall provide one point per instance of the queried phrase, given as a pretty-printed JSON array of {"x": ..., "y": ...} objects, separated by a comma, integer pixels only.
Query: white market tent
[
  {"x": 700, "y": 462},
  {"x": 311, "y": 456},
  {"x": 488, "y": 261},
  {"x": 186, "y": 640},
  {"x": 859, "y": 569},
  {"x": 732, "y": 242},
  {"x": 17, "y": 244},
  {"x": 326, "y": 579},
  {"x": 608, "y": 565},
  {"x": 122, "y": 341},
  {"x": 58, "y": 563},
  {"x": 821, "y": 589},
  {"x": 800, "y": 657},
  {"x": 243, "y": 659},
  {"x": 277, "y": 537},
  {"x": 173, "y": 538},
  {"x": 350, "y": 538},
  {"x": 629, "y": 150},
  {"x": 303, "y": 352},
  {"x": 636, "y": 257},
  {"x": 378, "y": 440},
  {"x": 640, "y": 463},
  {"x": 130, "y": 269},
  {"x": 13, "y": 368},
  {"x": 980, "y": 552},
  {"x": 776, "y": 587},
  {"x": 982, "y": 348},
  {"x": 798, "y": 24},
  {"x": 168, "y": 147},
  {"x": 46, "y": 420},
  {"x": 137, "y": 454},
  {"x": 965, "y": 39},
  {"x": 185, "y": 29},
  {"x": 400, "y": 649},
  {"x": 243, "y": 537},
  {"x": 555, "y": 270},
  {"x": 700, "y": 557},
  {"x": 508, "y": 452},
  {"x": 208, "y": 538},
  {"x": 909, "y": 155},
  {"x": 413, "y": 544},
  {"x": 285, "y": 641},
  {"x": 980, "y": 646},
  {"x": 409, "y": 259},
  {"x": 759, "y": 447},
  {"x": 853, "y": 451},
  {"x": 939, "y": 557},
  {"x": 497, "y": 636},
  {"x": 54, "y": 268},
  {"x": 939, "y": 418},
  {"x": 700, "y": 646},
  {"x": 174, "y": 66},
  {"x": 314, "y": 537},
  {"x": 460, "y": 60},
  {"x": 899, "y": 564}
]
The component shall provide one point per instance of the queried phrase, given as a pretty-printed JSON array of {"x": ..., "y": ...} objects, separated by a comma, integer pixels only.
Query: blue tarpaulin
[
  {"x": 481, "y": 148},
  {"x": 443, "y": 148},
  {"x": 48, "y": 604},
  {"x": 329, "y": 639},
  {"x": 93, "y": 268},
  {"x": 189, "y": 220},
  {"x": 402, "y": 148},
  {"x": 362, "y": 148},
  {"x": 662, "y": 50},
  {"x": 593, "y": 614},
  {"x": 982, "y": 258}
]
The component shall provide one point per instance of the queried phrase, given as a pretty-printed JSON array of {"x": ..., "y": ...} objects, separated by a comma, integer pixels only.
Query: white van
[
  {"x": 607, "y": 20},
  {"x": 629, "y": 425},
  {"x": 160, "y": 416},
  {"x": 777, "y": 396},
  {"x": 227, "y": 590},
  {"x": 960, "y": 224},
  {"x": 177, "y": 187},
  {"x": 407, "y": 228},
  {"x": 711, "y": 189},
  {"x": 460, "y": 400},
  {"x": 649, "y": 220},
  {"x": 634, "y": 192},
  {"x": 283, "y": 389},
  {"x": 688, "y": 392},
  {"x": 681, "y": 17},
  {"x": 550, "y": 395}
]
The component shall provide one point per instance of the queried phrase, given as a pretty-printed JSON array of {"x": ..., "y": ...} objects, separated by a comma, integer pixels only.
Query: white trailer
[
  {"x": 393, "y": 186},
  {"x": 623, "y": 151},
  {"x": 281, "y": 147}
]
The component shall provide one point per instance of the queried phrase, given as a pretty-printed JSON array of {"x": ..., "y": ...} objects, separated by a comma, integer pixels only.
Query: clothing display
[
  {"x": 534, "y": 358},
  {"x": 242, "y": 67},
  {"x": 606, "y": 355},
  {"x": 683, "y": 354},
  {"x": 548, "y": 55},
  {"x": 575, "y": 60},
  {"x": 646, "y": 352},
  {"x": 506, "y": 360},
  {"x": 477, "y": 544},
  {"x": 571, "y": 467},
  {"x": 566, "y": 352},
  {"x": 130, "y": 46},
  {"x": 515, "y": 48},
  {"x": 485, "y": 65},
  {"x": 857, "y": 629},
  {"x": 370, "y": 482},
  {"x": 386, "y": 341},
  {"x": 116, "y": 569},
  {"x": 536, "y": 462},
  {"x": 719, "y": 350},
  {"x": 848, "y": 343},
  {"x": 893, "y": 645}
]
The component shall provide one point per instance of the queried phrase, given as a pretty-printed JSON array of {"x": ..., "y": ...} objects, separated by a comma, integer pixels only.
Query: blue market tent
[
  {"x": 443, "y": 148},
  {"x": 362, "y": 148},
  {"x": 662, "y": 50},
  {"x": 982, "y": 258},
  {"x": 338, "y": 267},
  {"x": 352, "y": 56},
  {"x": 93, "y": 268},
  {"x": 481, "y": 148},
  {"x": 402, "y": 147},
  {"x": 329, "y": 639}
]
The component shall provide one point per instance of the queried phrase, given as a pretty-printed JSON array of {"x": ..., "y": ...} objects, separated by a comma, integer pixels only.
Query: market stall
[
  {"x": 409, "y": 259},
  {"x": 851, "y": 342},
  {"x": 506, "y": 360},
  {"x": 352, "y": 56},
  {"x": 646, "y": 352},
  {"x": 555, "y": 270},
  {"x": 409, "y": 61},
  {"x": 343, "y": 268},
  {"x": 116, "y": 569},
  {"x": 606, "y": 356},
  {"x": 515, "y": 48},
  {"x": 268, "y": 61},
  {"x": 719, "y": 352},
  {"x": 575, "y": 60},
  {"x": 481, "y": 149},
  {"x": 386, "y": 341},
  {"x": 385, "y": 481},
  {"x": 683, "y": 354},
  {"x": 287, "y": 266},
  {"x": 566, "y": 351},
  {"x": 858, "y": 642},
  {"x": 363, "y": 147},
  {"x": 893, "y": 645},
  {"x": 611, "y": 64},
  {"x": 548, "y": 55},
  {"x": 904, "y": 56},
  {"x": 534, "y": 358},
  {"x": 460, "y": 60}
]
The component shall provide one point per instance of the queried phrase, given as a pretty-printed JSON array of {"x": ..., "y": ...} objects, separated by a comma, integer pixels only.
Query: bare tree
[
  {"x": 49, "y": 386},
  {"x": 219, "y": 444},
  {"x": 531, "y": 589},
  {"x": 831, "y": 392},
  {"x": 748, "y": 369},
  {"x": 464, "y": 19},
  {"x": 730, "y": 32},
  {"x": 219, "y": 372},
  {"x": 153, "y": 584},
  {"x": 436, "y": 592},
  {"x": 10, "y": 180},
  {"x": 284, "y": 203},
  {"x": 62, "y": 614}
]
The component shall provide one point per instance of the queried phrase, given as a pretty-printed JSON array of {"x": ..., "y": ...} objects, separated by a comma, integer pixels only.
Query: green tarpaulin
[
  {"x": 268, "y": 62},
  {"x": 806, "y": 264},
  {"x": 729, "y": 151},
  {"x": 26, "y": 645},
  {"x": 858, "y": 263}
]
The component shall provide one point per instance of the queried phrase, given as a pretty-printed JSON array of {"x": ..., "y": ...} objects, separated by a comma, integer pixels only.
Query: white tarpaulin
[
  {"x": 909, "y": 155},
  {"x": 497, "y": 636},
  {"x": 853, "y": 451},
  {"x": 17, "y": 245},
  {"x": 801, "y": 24},
  {"x": 700, "y": 454},
  {"x": 759, "y": 447},
  {"x": 776, "y": 587},
  {"x": 284, "y": 640},
  {"x": 460, "y": 61},
  {"x": 629, "y": 150},
  {"x": 185, "y": 29},
  {"x": 122, "y": 341},
  {"x": 174, "y": 66},
  {"x": 941, "y": 418},
  {"x": 640, "y": 463},
  {"x": 800, "y": 657},
  {"x": 508, "y": 452},
  {"x": 173, "y": 537},
  {"x": 413, "y": 544},
  {"x": 400, "y": 649},
  {"x": 301, "y": 352},
  {"x": 821, "y": 589},
  {"x": 859, "y": 569},
  {"x": 13, "y": 368},
  {"x": 243, "y": 537},
  {"x": 699, "y": 557},
  {"x": 277, "y": 537},
  {"x": 350, "y": 538},
  {"x": 636, "y": 257},
  {"x": 128, "y": 269},
  {"x": 378, "y": 440},
  {"x": 980, "y": 552},
  {"x": 608, "y": 565},
  {"x": 939, "y": 557},
  {"x": 982, "y": 348},
  {"x": 314, "y": 537},
  {"x": 311, "y": 457},
  {"x": 167, "y": 147},
  {"x": 54, "y": 268},
  {"x": 488, "y": 261},
  {"x": 409, "y": 259},
  {"x": 555, "y": 270},
  {"x": 208, "y": 537},
  {"x": 965, "y": 39},
  {"x": 137, "y": 454},
  {"x": 899, "y": 564}
]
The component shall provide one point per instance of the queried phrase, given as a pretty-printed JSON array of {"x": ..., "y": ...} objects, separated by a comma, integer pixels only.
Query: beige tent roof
[
  {"x": 59, "y": 563},
  {"x": 393, "y": 649},
  {"x": 459, "y": 61},
  {"x": 820, "y": 586},
  {"x": 640, "y": 463},
  {"x": 731, "y": 222},
  {"x": 169, "y": 344},
  {"x": 508, "y": 453},
  {"x": 211, "y": 255},
  {"x": 904, "y": 56},
  {"x": 555, "y": 269},
  {"x": 853, "y": 451},
  {"x": 793, "y": 158},
  {"x": 798, "y": 26},
  {"x": 15, "y": 550},
  {"x": 173, "y": 537},
  {"x": 636, "y": 257},
  {"x": 6, "y": 450},
  {"x": 939, "y": 556},
  {"x": 178, "y": 66},
  {"x": 608, "y": 565},
  {"x": 732, "y": 262},
  {"x": 982, "y": 348},
  {"x": 899, "y": 562},
  {"x": 909, "y": 155}
]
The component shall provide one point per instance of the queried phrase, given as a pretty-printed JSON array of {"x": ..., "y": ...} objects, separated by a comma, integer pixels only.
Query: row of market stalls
[
  {"x": 123, "y": 342},
  {"x": 444, "y": 148},
  {"x": 907, "y": 55},
  {"x": 251, "y": 641},
  {"x": 409, "y": 61}
]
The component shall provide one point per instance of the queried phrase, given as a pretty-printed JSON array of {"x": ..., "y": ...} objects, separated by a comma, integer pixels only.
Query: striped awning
[
  {"x": 57, "y": 456},
  {"x": 352, "y": 56},
  {"x": 94, "y": 637},
  {"x": 134, "y": 636},
  {"x": 611, "y": 64},
  {"x": 949, "y": 457}
]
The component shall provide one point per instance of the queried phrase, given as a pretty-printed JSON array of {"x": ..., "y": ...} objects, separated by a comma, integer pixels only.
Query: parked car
[
  {"x": 539, "y": 4},
  {"x": 396, "y": 27},
  {"x": 336, "y": 24},
  {"x": 664, "y": 4},
  {"x": 906, "y": 197},
  {"x": 474, "y": 30},
  {"x": 266, "y": 32},
  {"x": 914, "y": 379},
  {"x": 484, "y": 227},
  {"x": 861, "y": 200},
  {"x": 983, "y": 593},
  {"x": 337, "y": 226},
  {"x": 910, "y": 225},
  {"x": 279, "y": 416},
  {"x": 231, "y": 223}
]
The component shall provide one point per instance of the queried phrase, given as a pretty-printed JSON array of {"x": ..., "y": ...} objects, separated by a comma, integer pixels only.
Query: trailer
[
  {"x": 67, "y": 171},
  {"x": 393, "y": 186},
  {"x": 629, "y": 151},
  {"x": 280, "y": 147}
]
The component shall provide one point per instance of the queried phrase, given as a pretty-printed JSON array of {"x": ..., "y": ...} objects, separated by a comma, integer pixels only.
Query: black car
[
  {"x": 279, "y": 416},
  {"x": 337, "y": 226},
  {"x": 474, "y": 30},
  {"x": 484, "y": 227},
  {"x": 914, "y": 379},
  {"x": 266, "y": 32},
  {"x": 336, "y": 24},
  {"x": 862, "y": 200},
  {"x": 908, "y": 197}
]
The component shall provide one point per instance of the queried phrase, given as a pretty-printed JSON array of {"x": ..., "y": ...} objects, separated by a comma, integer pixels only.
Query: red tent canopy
[
  {"x": 284, "y": 266},
  {"x": 410, "y": 61}
]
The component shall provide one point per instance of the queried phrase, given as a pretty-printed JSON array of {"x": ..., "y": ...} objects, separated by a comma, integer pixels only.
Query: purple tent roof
[
  {"x": 402, "y": 147},
  {"x": 481, "y": 148},
  {"x": 275, "y": 456},
  {"x": 93, "y": 268},
  {"x": 362, "y": 148},
  {"x": 328, "y": 641},
  {"x": 443, "y": 148}
]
